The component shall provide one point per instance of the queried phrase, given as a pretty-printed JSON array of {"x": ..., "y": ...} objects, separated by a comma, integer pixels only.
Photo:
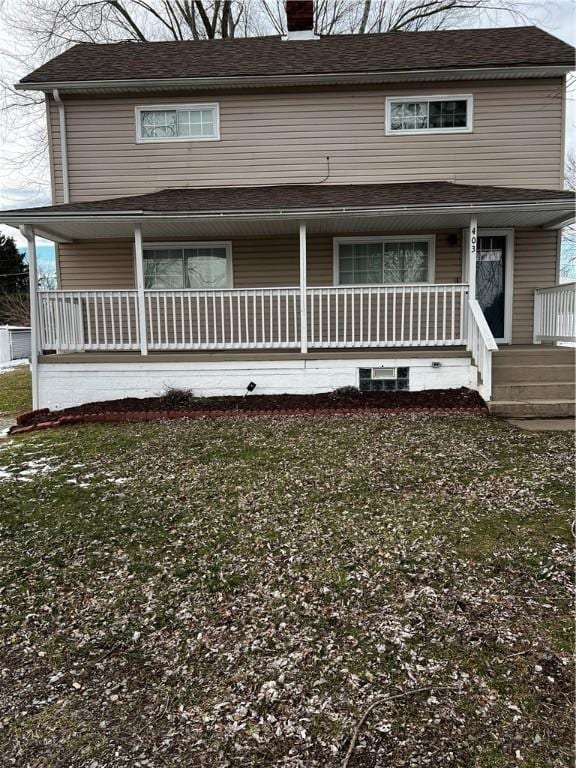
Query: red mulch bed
[{"x": 346, "y": 400}]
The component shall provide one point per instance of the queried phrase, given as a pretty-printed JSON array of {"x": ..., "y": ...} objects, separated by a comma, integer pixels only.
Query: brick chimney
[{"x": 300, "y": 17}]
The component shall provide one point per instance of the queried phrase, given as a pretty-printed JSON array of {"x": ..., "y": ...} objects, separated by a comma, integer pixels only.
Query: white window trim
[
  {"x": 430, "y": 239},
  {"x": 140, "y": 139},
  {"x": 509, "y": 234},
  {"x": 227, "y": 244},
  {"x": 468, "y": 97}
]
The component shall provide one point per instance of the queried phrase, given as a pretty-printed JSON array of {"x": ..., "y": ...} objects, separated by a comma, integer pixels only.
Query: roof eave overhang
[
  {"x": 137, "y": 215},
  {"x": 278, "y": 81},
  {"x": 46, "y": 223}
]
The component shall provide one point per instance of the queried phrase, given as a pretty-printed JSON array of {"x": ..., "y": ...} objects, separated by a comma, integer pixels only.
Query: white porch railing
[
  {"x": 386, "y": 316},
  {"x": 247, "y": 318},
  {"x": 481, "y": 344},
  {"x": 254, "y": 318},
  {"x": 555, "y": 313},
  {"x": 88, "y": 320}
]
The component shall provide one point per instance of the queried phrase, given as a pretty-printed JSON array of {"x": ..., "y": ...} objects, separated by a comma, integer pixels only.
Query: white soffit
[{"x": 166, "y": 227}]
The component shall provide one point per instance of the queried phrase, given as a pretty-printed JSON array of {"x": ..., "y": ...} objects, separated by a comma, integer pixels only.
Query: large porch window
[
  {"x": 384, "y": 260},
  {"x": 190, "y": 265}
]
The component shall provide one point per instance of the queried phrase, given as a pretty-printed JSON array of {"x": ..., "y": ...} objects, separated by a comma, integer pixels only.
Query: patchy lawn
[
  {"x": 15, "y": 390},
  {"x": 221, "y": 593}
]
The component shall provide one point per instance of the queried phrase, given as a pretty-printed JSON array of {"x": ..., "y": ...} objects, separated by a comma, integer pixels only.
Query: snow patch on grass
[
  {"x": 11, "y": 365},
  {"x": 28, "y": 470}
]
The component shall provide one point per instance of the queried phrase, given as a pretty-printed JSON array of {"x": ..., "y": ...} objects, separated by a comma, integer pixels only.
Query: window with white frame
[
  {"x": 366, "y": 261},
  {"x": 186, "y": 122},
  {"x": 431, "y": 114},
  {"x": 194, "y": 265}
]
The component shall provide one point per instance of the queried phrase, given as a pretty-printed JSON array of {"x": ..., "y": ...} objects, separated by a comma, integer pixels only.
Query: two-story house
[{"x": 306, "y": 213}]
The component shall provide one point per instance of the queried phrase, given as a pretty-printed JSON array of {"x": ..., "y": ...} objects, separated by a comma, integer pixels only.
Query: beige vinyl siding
[
  {"x": 256, "y": 262},
  {"x": 279, "y": 137},
  {"x": 96, "y": 264},
  {"x": 535, "y": 266}
]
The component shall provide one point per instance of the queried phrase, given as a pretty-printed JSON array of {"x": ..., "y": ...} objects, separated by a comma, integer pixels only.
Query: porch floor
[{"x": 265, "y": 354}]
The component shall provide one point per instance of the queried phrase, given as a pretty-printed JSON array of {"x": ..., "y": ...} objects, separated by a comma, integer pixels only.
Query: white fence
[
  {"x": 555, "y": 313},
  {"x": 14, "y": 343}
]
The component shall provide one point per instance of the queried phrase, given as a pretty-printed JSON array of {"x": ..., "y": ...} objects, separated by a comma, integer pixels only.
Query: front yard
[{"x": 237, "y": 593}]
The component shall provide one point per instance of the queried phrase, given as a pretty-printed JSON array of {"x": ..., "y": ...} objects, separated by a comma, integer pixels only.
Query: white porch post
[
  {"x": 35, "y": 344},
  {"x": 139, "y": 257},
  {"x": 472, "y": 254},
  {"x": 303, "y": 292}
]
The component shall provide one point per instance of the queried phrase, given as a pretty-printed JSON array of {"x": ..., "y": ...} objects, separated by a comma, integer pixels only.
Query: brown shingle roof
[
  {"x": 392, "y": 51},
  {"x": 306, "y": 197}
]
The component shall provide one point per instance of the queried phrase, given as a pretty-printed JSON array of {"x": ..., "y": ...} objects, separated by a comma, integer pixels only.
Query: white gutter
[
  {"x": 63, "y": 144},
  {"x": 264, "y": 81}
]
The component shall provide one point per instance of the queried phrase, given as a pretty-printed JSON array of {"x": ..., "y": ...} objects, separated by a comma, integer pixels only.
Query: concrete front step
[
  {"x": 534, "y": 356},
  {"x": 552, "y": 409},
  {"x": 517, "y": 374},
  {"x": 548, "y": 390}
]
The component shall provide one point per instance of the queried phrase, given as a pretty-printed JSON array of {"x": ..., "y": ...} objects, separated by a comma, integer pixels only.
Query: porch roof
[{"x": 212, "y": 211}]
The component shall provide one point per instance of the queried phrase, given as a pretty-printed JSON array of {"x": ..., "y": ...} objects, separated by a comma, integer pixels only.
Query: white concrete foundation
[{"x": 62, "y": 385}]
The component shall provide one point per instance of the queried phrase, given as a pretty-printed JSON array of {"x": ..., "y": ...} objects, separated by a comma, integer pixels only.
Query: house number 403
[{"x": 473, "y": 240}]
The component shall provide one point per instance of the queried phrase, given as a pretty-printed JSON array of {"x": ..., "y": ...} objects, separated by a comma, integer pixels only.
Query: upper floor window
[
  {"x": 384, "y": 260},
  {"x": 429, "y": 114},
  {"x": 191, "y": 265},
  {"x": 180, "y": 122}
]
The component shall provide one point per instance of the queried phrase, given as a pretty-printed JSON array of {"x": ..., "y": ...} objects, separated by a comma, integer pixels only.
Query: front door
[{"x": 491, "y": 281}]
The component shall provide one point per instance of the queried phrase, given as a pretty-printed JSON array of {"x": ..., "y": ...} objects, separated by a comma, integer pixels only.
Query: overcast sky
[{"x": 29, "y": 185}]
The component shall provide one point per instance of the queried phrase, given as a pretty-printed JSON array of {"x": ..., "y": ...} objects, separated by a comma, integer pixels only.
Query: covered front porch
[{"x": 375, "y": 267}]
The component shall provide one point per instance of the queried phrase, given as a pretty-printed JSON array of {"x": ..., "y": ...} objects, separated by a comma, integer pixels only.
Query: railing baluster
[
  {"x": 206, "y": 325},
  {"x": 353, "y": 299},
  {"x": 278, "y": 319},
  {"x": 112, "y": 321},
  {"x": 444, "y": 315},
  {"x": 246, "y": 318},
  {"x": 345, "y": 328},
  {"x": 385, "y": 315},
  {"x": 378, "y": 321},
  {"x": 88, "y": 318},
  {"x": 189, "y": 304},
  {"x": 435, "y": 316},
  {"x": 150, "y": 325},
  {"x": 222, "y": 319},
  {"x": 411, "y": 316},
  {"x": 453, "y": 315},
  {"x": 287, "y": 316},
  {"x": 231, "y": 321},
  {"x": 419, "y": 314},
  {"x": 394, "y": 315}
]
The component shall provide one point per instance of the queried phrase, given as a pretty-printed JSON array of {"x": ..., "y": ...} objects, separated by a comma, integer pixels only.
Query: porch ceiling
[{"x": 169, "y": 227}]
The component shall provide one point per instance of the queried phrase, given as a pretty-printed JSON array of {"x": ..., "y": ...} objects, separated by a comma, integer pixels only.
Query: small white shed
[{"x": 14, "y": 343}]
